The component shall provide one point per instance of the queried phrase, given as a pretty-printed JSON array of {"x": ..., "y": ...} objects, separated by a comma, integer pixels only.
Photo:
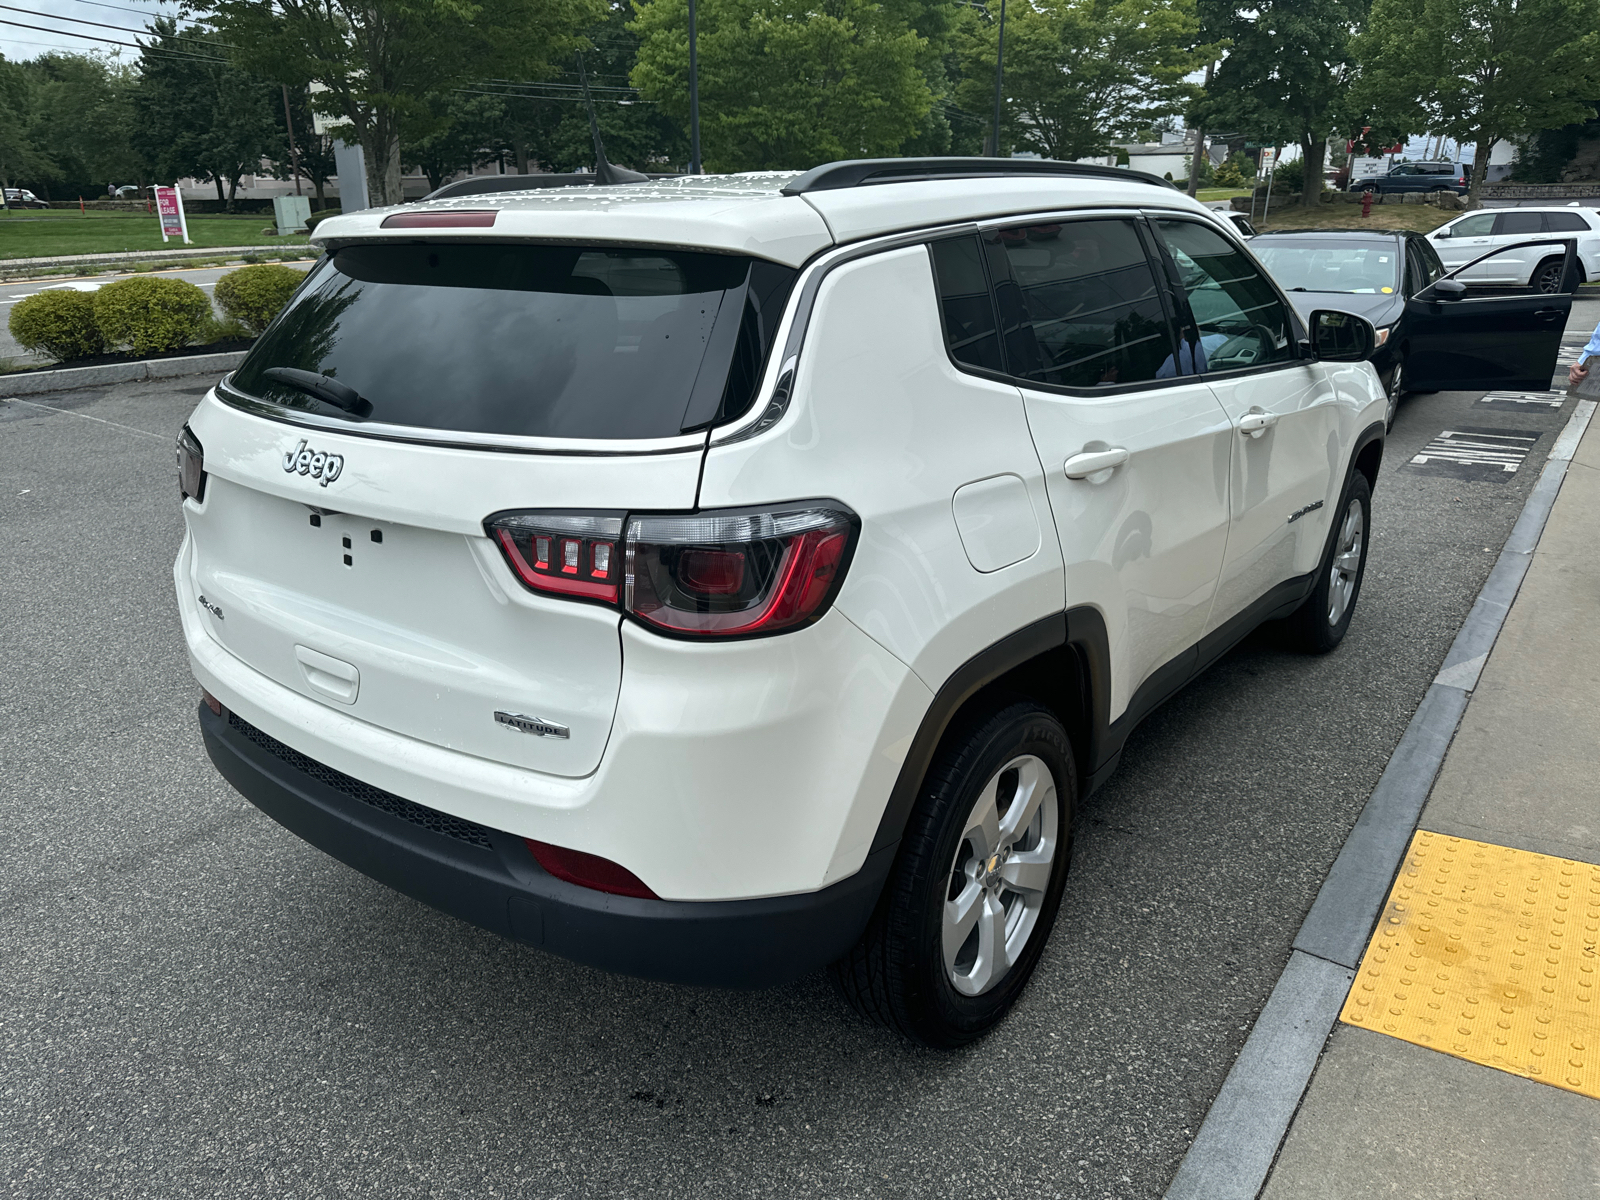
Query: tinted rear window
[{"x": 534, "y": 341}]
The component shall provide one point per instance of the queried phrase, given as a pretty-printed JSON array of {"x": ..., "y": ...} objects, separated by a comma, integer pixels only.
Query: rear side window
[
  {"x": 535, "y": 341},
  {"x": 1241, "y": 320},
  {"x": 1091, "y": 316},
  {"x": 1518, "y": 223},
  {"x": 1565, "y": 223},
  {"x": 969, "y": 322}
]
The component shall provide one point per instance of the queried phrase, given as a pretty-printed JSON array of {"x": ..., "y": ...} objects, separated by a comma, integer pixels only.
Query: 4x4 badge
[
  {"x": 318, "y": 464},
  {"x": 534, "y": 725}
]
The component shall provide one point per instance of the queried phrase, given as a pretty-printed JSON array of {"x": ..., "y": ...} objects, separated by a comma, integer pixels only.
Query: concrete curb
[
  {"x": 89, "y": 260},
  {"x": 37, "y": 383},
  {"x": 1233, "y": 1152}
]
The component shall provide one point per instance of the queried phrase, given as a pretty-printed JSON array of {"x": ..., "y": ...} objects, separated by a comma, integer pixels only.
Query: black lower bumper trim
[{"x": 499, "y": 886}]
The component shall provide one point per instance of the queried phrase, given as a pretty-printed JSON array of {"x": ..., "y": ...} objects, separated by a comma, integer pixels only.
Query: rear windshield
[{"x": 534, "y": 341}]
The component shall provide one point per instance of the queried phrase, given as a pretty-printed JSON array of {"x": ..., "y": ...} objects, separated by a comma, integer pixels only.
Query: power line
[
  {"x": 119, "y": 28},
  {"x": 142, "y": 12},
  {"x": 89, "y": 37}
]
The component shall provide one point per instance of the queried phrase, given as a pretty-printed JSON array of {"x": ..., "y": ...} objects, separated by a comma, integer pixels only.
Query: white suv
[
  {"x": 718, "y": 578},
  {"x": 1537, "y": 265}
]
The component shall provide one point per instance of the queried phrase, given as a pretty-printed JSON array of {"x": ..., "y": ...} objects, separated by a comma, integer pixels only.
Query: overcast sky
[{"x": 129, "y": 16}]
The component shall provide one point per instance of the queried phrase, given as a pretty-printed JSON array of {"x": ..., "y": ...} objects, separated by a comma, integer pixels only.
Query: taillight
[
  {"x": 717, "y": 574},
  {"x": 568, "y": 554},
  {"x": 191, "y": 466},
  {"x": 713, "y": 574}
]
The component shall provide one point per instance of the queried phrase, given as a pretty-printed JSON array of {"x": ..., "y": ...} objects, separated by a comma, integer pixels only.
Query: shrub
[
  {"x": 151, "y": 315},
  {"x": 254, "y": 295},
  {"x": 1230, "y": 175},
  {"x": 317, "y": 218},
  {"x": 1289, "y": 176},
  {"x": 60, "y": 323}
]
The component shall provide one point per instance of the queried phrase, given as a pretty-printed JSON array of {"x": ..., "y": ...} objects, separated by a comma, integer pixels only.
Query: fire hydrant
[{"x": 1366, "y": 203}]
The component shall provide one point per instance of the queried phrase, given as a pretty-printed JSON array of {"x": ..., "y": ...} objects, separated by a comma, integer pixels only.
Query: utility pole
[
  {"x": 288, "y": 123},
  {"x": 999, "y": 82},
  {"x": 694, "y": 96}
]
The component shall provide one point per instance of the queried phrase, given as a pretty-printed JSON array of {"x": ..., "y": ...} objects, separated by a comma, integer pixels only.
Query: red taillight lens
[
  {"x": 191, "y": 467},
  {"x": 713, "y": 574},
  {"x": 589, "y": 870},
  {"x": 722, "y": 574},
  {"x": 568, "y": 554}
]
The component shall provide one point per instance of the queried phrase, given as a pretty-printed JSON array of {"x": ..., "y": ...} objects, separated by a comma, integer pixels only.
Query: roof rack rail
[
  {"x": 483, "y": 185},
  {"x": 862, "y": 172}
]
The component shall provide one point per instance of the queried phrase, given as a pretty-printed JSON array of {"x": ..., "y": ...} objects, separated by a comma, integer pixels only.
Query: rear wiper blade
[{"x": 324, "y": 387}]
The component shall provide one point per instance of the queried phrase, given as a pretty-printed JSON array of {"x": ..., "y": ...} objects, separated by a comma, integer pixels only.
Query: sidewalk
[{"x": 1512, "y": 820}]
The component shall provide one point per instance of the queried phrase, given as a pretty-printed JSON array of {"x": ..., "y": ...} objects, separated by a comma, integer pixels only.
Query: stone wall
[{"x": 1553, "y": 193}]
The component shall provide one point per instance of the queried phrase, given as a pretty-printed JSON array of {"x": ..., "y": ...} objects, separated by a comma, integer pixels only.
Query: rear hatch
[{"x": 407, "y": 393}]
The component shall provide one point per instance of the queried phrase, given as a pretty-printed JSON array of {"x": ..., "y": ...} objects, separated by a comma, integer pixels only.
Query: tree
[
  {"x": 20, "y": 155},
  {"x": 80, "y": 120},
  {"x": 785, "y": 83},
  {"x": 1481, "y": 71},
  {"x": 1287, "y": 77},
  {"x": 382, "y": 60},
  {"x": 1081, "y": 74},
  {"x": 458, "y": 136},
  {"x": 197, "y": 114}
]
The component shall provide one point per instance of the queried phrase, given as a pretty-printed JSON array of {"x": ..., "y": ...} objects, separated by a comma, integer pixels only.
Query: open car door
[{"x": 1459, "y": 343}]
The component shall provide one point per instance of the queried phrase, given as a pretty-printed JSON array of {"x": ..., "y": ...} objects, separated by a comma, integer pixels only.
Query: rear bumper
[{"x": 489, "y": 878}]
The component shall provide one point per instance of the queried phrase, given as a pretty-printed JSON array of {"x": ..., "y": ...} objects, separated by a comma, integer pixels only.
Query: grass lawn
[
  {"x": 1206, "y": 194},
  {"x": 37, "y": 233},
  {"x": 1424, "y": 218}
]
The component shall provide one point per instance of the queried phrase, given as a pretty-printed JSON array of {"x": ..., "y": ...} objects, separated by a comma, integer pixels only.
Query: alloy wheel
[
  {"x": 1347, "y": 553},
  {"x": 1548, "y": 281},
  {"x": 1000, "y": 875}
]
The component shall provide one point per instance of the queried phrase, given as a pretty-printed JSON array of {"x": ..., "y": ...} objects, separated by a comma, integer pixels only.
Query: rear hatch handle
[{"x": 329, "y": 676}]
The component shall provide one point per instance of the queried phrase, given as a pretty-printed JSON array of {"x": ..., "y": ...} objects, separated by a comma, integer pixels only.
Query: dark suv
[{"x": 1418, "y": 177}]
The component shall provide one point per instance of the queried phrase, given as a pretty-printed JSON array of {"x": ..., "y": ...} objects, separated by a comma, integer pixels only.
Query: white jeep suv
[{"x": 718, "y": 578}]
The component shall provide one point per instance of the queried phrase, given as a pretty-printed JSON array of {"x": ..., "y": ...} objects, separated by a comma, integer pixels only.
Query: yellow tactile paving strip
[{"x": 1492, "y": 955}]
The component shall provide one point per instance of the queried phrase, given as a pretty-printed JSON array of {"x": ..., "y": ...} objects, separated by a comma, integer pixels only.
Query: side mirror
[
  {"x": 1440, "y": 234},
  {"x": 1341, "y": 336},
  {"x": 1446, "y": 289}
]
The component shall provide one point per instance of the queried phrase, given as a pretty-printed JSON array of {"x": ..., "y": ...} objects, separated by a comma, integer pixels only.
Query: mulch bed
[{"x": 121, "y": 356}]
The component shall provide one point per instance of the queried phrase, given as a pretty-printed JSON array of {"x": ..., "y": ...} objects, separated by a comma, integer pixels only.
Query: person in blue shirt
[{"x": 1579, "y": 371}]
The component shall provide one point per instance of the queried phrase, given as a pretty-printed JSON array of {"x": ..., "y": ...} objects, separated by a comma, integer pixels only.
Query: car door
[
  {"x": 1287, "y": 445},
  {"x": 1574, "y": 222},
  {"x": 1135, "y": 448},
  {"x": 1462, "y": 241},
  {"x": 1469, "y": 342}
]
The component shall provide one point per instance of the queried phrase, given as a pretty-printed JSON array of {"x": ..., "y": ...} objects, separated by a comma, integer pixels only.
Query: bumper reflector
[{"x": 589, "y": 870}]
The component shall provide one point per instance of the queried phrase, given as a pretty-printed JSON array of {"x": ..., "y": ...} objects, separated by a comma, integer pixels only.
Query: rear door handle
[
  {"x": 1256, "y": 422},
  {"x": 1548, "y": 314},
  {"x": 1091, "y": 462}
]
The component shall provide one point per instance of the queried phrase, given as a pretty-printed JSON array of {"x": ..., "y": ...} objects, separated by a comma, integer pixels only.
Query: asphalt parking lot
[{"x": 195, "y": 1003}]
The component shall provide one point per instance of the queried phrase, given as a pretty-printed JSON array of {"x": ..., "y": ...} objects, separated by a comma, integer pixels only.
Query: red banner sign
[{"x": 169, "y": 203}]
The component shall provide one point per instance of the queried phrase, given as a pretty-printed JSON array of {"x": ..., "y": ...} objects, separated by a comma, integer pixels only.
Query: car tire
[
  {"x": 951, "y": 944},
  {"x": 1320, "y": 624},
  {"x": 1546, "y": 277}
]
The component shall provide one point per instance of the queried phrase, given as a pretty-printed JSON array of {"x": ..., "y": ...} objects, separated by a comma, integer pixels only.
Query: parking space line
[{"x": 67, "y": 412}]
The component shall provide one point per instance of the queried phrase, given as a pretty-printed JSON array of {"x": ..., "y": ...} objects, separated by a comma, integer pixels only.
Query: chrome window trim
[{"x": 457, "y": 439}]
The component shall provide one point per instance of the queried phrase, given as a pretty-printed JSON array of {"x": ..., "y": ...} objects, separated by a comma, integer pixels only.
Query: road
[
  {"x": 10, "y": 293},
  {"x": 195, "y": 1003}
]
